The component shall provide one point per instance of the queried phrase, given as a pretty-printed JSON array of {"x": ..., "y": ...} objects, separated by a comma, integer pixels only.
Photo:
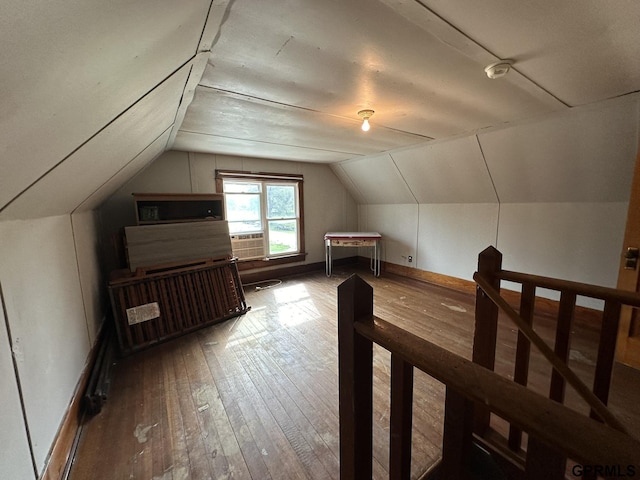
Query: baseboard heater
[
  {"x": 97, "y": 388},
  {"x": 163, "y": 302}
]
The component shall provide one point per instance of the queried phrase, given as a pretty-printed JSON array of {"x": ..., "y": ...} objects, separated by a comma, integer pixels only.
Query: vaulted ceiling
[{"x": 92, "y": 91}]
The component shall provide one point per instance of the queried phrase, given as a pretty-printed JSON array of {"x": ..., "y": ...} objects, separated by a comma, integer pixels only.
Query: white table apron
[{"x": 353, "y": 239}]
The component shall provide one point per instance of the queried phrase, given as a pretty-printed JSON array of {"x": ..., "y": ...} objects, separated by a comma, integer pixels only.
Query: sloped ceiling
[
  {"x": 582, "y": 156},
  {"x": 280, "y": 79},
  {"x": 86, "y": 87},
  {"x": 586, "y": 156}
]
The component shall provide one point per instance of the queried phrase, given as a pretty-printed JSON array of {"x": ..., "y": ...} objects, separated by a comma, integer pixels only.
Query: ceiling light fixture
[
  {"x": 366, "y": 115},
  {"x": 498, "y": 69}
]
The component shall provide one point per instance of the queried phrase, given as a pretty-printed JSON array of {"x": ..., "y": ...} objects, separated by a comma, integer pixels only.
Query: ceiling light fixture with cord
[
  {"x": 366, "y": 115},
  {"x": 498, "y": 69}
]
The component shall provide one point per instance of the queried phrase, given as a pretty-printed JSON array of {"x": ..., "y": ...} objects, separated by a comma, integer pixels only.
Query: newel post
[
  {"x": 355, "y": 372},
  {"x": 486, "y": 328}
]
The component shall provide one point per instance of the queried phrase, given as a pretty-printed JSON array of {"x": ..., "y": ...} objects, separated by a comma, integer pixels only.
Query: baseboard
[
  {"x": 544, "y": 306},
  {"x": 252, "y": 277},
  {"x": 428, "y": 277}
]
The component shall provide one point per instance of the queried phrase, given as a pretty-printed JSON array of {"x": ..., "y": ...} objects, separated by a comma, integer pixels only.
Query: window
[{"x": 264, "y": 212}]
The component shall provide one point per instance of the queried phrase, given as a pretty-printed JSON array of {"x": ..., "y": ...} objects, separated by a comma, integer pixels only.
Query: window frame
[{"x": 275, "y": 178}]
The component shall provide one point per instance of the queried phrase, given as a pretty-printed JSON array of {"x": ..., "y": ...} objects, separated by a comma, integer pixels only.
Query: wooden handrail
[
  {"x": 594, "y": 402},
  {"x": 582, "y": 289},
  {"x": 581, "y": 438},
  {"x": 472, "y": 389}
]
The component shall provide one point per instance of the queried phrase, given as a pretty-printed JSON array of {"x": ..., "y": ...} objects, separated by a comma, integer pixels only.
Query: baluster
[
  {"x": 606, "y": 351},
  {"x": 457, "y": 435},
  {"x": 606, "y": 357},
  {"x": 523, "y": 353},
  {"x": 542, "y": 461},
  {"x": 563, "y": 343},
  {"x": 401, "y": 419}
]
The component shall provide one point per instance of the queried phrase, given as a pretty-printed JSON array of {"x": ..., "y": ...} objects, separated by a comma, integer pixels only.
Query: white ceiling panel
[
  {"x": 270, "y": 128},
  {"x": 72, "y": 181},
  {"x": 299, "y": 71},
  {"x": 195, "y": 142},
  {"x": 378, "y": 180},
  {"x": 587, "y": 156},
  {"x": 580, "y": 51},
  {"x": 451, "y": 171}
]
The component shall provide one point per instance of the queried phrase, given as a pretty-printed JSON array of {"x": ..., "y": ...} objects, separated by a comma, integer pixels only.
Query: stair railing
[
  {"x": 489, "y": 302},
  {"x": 468, "y": 384}
]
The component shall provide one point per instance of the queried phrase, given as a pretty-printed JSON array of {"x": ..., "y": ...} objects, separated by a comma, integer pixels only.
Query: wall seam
[
  {"x": 415, "y": 249},
  {"x": 493, "y": 184},
  {"x": 84, "y": 303},
  {"x": 403, "y": 179},
  {"x": 18, "y": 384}
]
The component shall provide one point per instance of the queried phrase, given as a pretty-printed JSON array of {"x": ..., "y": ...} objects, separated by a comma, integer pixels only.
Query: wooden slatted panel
[{"x": 187, "y": 297}]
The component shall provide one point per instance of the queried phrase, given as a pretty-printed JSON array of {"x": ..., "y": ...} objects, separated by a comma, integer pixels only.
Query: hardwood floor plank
[
  {"x": 176, "y": 458},
  {"x": 216, "y": 427},
  {"x": 256, "y": 397},
  {"x": 270, "y": 439},
  {"x": 241, "y": 414},
  {"x": 306, "y": 442},
  {"x": 199, "y": 456}
]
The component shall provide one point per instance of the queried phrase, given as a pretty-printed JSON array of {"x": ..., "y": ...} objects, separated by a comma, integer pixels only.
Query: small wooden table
[{"x": 353, "y": 239}]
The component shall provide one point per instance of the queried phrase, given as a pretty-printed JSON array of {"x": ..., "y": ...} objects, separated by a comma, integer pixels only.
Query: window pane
[
  {"x": 244, "y": 227},
  {"x": 243, "y": 212},
  {"x": 283, "y": 236},
  {"x": 281, "y": 201},
  {"x": 241, "y": 187}
]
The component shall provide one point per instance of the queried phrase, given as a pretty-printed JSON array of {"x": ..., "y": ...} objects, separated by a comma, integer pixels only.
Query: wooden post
[
  {"x": 355, "y": 372},
  {"x": 486, "y": 328},
  {"x": 401, "y": 419}
]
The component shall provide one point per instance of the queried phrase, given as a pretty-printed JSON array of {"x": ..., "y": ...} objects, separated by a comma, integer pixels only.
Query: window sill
[{"x": 251, "y": 264}]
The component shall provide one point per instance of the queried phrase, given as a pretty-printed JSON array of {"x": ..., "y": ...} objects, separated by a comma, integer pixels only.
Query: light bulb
[{"x": 365, "y": 115}]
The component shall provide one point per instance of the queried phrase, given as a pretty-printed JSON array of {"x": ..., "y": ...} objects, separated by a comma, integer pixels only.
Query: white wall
[
  {"x": 48, "y": 273},
  {"x": 328, "y": 205},
  {"x": 574, "y": 241},
  {"x": 550, "y": 194},
  {"x": 15, "y": 459}
]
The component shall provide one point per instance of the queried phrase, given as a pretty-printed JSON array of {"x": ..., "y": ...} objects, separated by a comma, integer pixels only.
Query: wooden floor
[{"x": 256, "y": 397}]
